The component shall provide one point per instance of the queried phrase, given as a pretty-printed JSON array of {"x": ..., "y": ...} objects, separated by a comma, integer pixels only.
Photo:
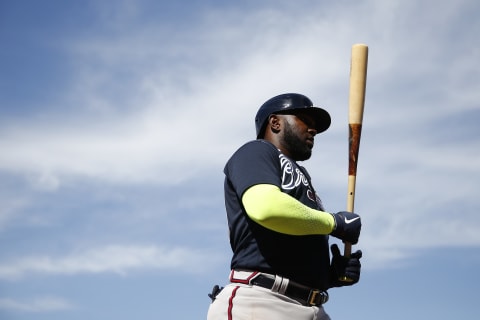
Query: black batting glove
[
  {"x": 347, "y": 226},
  {"x": 344, "y": 271}
]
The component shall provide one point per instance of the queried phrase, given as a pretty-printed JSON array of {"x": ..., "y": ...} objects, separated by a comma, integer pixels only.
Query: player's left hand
[{"x": 344, "y": 267}]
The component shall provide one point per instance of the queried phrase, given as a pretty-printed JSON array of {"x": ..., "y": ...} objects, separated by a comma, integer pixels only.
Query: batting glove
[
  {"x": 344, "y": 271},
  {"x": 347, "y": 226}
]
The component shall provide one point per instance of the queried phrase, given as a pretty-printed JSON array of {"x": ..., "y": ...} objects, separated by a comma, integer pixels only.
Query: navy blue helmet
[{"x": 289, "y": 103}]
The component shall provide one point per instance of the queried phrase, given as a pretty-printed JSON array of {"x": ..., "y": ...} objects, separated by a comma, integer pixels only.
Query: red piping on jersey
[{"x": 230, "y": 303}]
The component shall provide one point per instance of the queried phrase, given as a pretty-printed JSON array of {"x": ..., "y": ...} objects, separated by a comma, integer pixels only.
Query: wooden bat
[{"x": 356, "y": 103}]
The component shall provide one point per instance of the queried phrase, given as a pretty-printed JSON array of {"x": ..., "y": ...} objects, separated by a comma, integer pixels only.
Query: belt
[{"x": 298, "y": 292}]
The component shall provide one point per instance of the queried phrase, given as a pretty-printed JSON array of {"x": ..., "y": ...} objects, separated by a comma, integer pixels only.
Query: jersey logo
[{"x": 292, "y": 176}]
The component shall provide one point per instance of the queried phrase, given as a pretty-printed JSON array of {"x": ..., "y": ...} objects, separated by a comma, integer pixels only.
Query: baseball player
[{"x": 279, "y": 230}]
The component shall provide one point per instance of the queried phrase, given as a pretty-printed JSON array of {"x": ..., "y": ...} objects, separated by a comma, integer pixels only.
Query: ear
[{"x": 274, "y": 122}]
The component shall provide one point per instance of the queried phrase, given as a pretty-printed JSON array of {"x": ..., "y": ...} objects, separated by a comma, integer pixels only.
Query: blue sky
[{"x": 116, "y": 118}]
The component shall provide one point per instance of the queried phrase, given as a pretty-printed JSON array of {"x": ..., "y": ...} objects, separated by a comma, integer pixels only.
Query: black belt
[{"x": 304, "y": 295}]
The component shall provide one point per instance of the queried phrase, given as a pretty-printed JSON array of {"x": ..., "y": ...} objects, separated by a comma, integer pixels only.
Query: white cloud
[
  {"x": 129, "y": 128},
  {"x": 42, "y": 304},
  {"x": 110, "y": 259}
]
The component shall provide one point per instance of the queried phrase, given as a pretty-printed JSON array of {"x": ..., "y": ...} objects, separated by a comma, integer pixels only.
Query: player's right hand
[{"x": 347, "y": 226}]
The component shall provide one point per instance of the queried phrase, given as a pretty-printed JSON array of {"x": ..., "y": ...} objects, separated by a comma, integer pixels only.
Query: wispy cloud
[
  {"x": 110, "y": 259},
  {"x": 134, "y": 104},
  {"x": 42, "y": 304}
]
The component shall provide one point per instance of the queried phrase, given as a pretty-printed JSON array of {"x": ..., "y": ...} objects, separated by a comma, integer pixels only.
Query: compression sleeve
[{"x": 267, "y": 205}]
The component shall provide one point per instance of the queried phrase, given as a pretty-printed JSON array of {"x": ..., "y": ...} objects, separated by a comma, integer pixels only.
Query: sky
[{"x": 117, "y": 117}]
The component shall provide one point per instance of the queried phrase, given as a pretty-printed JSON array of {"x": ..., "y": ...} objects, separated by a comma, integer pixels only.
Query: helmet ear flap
[
  {"x": 261, "y": 131},
  {"x": 270, "y": 123}
]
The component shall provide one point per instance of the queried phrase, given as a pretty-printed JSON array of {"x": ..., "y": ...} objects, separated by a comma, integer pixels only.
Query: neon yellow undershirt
[{"x": 267, "y": 205}]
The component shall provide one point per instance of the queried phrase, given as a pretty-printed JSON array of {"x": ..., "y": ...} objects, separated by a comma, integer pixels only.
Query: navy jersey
[{"x": 303, "y": 259}]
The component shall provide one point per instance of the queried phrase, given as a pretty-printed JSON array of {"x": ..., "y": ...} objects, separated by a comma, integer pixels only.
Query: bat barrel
[{"x": 358, "y": 82}]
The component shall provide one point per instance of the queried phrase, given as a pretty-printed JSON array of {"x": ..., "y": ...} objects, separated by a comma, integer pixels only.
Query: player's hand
[
  {"x": 344, "y": 268},
  {"x": 347, "y": 226}
]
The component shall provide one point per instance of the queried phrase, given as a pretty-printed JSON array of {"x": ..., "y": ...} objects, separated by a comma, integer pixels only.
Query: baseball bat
[{"x": 356, "y": 103}]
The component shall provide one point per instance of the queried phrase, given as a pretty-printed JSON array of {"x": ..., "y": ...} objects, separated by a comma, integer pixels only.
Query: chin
[{"x": 304, "y": 156}]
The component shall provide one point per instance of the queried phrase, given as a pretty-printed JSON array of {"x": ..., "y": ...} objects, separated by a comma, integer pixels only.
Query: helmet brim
[{"x": 320, "y": 116}]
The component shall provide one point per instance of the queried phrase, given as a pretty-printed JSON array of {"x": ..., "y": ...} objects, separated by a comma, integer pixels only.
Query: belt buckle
[
  {"x": 317, "y": 297},
  {"x": 312, "y": 297}
]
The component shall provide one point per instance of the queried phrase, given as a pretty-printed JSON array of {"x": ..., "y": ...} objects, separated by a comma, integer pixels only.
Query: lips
[{"x": 310, "y": 142}]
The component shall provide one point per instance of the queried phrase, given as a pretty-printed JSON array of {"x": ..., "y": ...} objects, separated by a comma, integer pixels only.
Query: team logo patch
[{"x": 292, "y": 176}]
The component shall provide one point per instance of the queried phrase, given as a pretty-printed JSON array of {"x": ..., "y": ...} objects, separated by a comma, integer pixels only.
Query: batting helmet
[{"x": 287, "y": 102}]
